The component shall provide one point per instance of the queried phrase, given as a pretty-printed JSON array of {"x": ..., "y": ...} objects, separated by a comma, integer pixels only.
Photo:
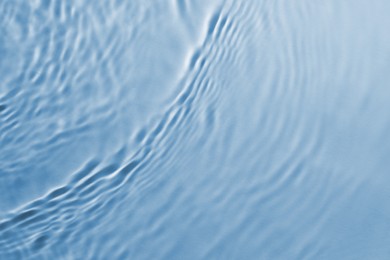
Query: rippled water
[{"x": 225, "y": 129}]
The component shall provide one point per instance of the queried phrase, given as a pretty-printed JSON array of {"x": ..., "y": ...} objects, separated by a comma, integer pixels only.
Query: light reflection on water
[{"x": 194, "y": 129}]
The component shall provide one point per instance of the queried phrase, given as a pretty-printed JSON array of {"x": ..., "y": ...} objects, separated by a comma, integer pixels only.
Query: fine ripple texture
[{"x": 194, "y": 129}]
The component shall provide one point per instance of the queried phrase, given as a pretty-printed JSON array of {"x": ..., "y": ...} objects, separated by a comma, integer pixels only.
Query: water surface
[{"x": 194, "y": 129}]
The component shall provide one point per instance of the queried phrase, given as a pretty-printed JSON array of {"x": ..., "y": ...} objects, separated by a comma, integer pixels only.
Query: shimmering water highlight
[{"x": 194, "y": 129}]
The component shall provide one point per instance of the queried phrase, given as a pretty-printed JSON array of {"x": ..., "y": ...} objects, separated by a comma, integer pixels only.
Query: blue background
[{"x": 178, "y": 129}]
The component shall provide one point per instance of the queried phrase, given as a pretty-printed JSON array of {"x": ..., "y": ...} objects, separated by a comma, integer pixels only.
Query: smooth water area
[{"x": 204, "y": 129}]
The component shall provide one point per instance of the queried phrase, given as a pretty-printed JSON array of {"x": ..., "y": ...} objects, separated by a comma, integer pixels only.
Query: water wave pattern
[{"x": 194, "y": 129}]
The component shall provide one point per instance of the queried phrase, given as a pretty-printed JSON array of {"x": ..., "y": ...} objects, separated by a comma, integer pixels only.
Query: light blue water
[{"x": 180, "y": 129}]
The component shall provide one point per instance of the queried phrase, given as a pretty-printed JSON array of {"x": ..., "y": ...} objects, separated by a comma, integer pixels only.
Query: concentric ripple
[{"x": 194, "y": 129}]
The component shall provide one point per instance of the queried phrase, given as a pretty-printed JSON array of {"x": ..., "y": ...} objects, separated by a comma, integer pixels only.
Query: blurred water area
[{"x": 205, "y": 129}]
